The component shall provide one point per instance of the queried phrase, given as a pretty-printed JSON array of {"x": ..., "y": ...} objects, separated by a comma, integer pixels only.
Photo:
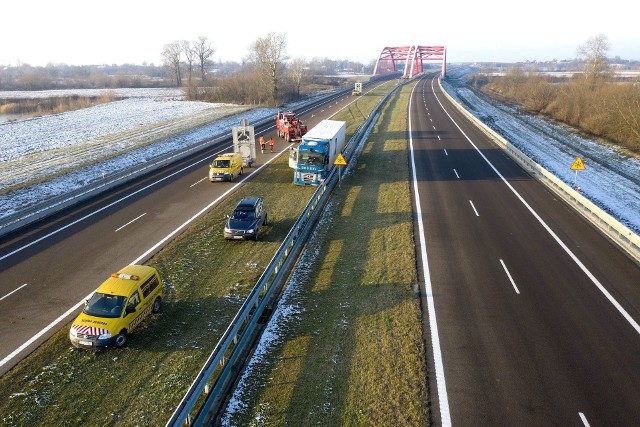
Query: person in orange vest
[
  {"x": 262, "y": 144},
  {"x": 271, "y": 144}
]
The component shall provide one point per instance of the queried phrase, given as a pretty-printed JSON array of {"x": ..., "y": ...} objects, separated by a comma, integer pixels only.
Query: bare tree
[
  {"x": 190, "y": 56},
  {"x": 171, "y": 54},
  {"x": 268, "y": 56},
  {"x": 594, "y": 53},
  {"x": 203, "y": 52},
  {"x": 297, "y": 72}
]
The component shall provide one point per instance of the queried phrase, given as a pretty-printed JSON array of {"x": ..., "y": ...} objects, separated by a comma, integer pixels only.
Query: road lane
[
  {"x": 527, "y": 337},
  {"x": 64, "y": 258}
]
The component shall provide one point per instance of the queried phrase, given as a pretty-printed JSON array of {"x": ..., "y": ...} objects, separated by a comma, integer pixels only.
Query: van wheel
[
  {"x": 121, "y": 338},
  {"x": 266, "y": 220},
  {"x": 156, "y": 305},
  {"x": 255, "y": 236}
]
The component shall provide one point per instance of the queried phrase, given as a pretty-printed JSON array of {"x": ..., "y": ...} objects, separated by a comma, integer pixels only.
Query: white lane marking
[
  {"x": 431, "y": 307},
  {"x": 568, "y": 251},
  {"x": 456, "y": 172},
  {"x": 510, "y": 278},
  {"x": 445, "y": 152},
  {"x": 79, "y": 304},
  {"x": 43, "y": 331},
  {"x": 13, "y": 291},
  {"x": 71, "y": 224},
  {"x": 133, "y": 220},
  {"x": 584, "y": 419},
  {"x": 434, "y": 128},
  {"x": 438, "y": 137},
  {"x": 198, "y": 182},
  {"x": 474, "y": 208}
]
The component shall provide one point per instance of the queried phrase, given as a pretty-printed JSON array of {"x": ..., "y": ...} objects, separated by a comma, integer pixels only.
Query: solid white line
[
  {"x": 198, "y": 182},
  {"x": 53, "y": 233},
  {"x": 568, "y": 251},
  {"x": 43, "y": 331},
  {"x": 137, "y": 260},
  {"x": 133, "y": 220},
  {"x": 584, "y": 419},
  {"x": 510, "y": 278},
  {"x": 474, "y": 208},
  {"x": 431, "y": 308},
  {"x": 457, "y": 176},
  {"x": 15, "y": 290}
]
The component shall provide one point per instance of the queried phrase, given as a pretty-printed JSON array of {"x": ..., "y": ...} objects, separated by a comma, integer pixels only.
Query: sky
[{"x": 75, "y": 32}]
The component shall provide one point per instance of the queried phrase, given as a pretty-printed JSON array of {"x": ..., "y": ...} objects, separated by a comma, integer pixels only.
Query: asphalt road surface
[
  {"x": 49, "y": 269},
  {"x": 531, "y": 316}
]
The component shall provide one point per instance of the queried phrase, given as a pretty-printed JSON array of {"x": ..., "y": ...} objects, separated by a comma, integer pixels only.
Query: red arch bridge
[{"x": 412, "y": 57}]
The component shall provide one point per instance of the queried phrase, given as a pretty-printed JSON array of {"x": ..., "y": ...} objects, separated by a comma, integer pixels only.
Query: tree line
[
  {"x": 593, "y": 101},
  {"x": 265, "y": 75}
]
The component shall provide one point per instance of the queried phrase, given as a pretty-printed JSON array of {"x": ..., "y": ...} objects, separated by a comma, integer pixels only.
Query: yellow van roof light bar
[{"x": 125, "y": 276}]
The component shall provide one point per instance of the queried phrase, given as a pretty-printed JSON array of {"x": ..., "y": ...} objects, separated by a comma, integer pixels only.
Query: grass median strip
[
  {"x": 350, "y": 351},
  {"x": 206, "y": 280}
]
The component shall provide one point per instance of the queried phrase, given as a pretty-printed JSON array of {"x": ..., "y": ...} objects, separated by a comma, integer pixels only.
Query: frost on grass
[
  {"x": 287, "y": 310},
  {"x": 611, "y": 179}
]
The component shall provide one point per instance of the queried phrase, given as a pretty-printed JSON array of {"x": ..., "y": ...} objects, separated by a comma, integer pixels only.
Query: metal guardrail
[
  {"x": 56, "y": 204},
  {"x": 625, "y": 238},
  {"x": 206, "y": 395}
]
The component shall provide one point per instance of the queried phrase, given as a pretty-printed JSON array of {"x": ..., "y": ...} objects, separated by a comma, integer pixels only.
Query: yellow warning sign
[
  {"x": 340, "y": 160},
  {"x": 578, "y": 165}
]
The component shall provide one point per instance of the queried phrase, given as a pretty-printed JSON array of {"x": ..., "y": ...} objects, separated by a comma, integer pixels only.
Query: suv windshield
[
  {"x": 243, "y": 215},
  {"x": 103, "y": 305},
  {"x": 220, "y": 164}
]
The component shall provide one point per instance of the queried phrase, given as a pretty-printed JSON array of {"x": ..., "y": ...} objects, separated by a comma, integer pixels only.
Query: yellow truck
[{"x": 117, "y": 307}]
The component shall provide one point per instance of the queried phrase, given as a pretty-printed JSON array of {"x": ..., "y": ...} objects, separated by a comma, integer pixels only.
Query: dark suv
[{"x": 246, "y": 219}]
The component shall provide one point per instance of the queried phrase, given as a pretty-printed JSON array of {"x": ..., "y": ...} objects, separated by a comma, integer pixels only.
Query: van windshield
[
  {"x": 103, "y": 305},
  {"x": 220, "y": 164}
]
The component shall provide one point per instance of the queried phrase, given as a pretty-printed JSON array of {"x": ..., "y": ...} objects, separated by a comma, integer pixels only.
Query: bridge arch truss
[{"x": 413, "y": 58}]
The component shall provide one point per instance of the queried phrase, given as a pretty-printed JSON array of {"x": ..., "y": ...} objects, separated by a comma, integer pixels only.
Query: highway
[
  {"x": 531, "y": 316},
  {"x": 49, "y": 269}
]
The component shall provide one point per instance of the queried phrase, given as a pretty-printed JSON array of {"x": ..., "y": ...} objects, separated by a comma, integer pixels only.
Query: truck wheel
[
  {"x": 156, "y": 305},
  {"x": 240, "y": 171},
  {"x": 230, "y": 177},
  {"x": 121, "y": 338}
]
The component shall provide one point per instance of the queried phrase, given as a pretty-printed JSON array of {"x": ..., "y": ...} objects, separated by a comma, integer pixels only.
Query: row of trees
[
  {"x": 266, "y": 75},
  {"x": 592, "y": 101}
]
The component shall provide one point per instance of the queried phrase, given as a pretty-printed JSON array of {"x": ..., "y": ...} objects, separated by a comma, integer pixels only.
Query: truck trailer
[{"x": 313, "y": 159}]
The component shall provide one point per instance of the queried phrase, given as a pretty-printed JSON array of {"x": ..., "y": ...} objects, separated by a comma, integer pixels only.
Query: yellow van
[
  {"x": 225, "y": 167},
  {"x": 117, "y": 307}
]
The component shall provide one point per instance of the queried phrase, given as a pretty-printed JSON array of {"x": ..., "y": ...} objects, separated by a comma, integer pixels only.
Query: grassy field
[
  {"x": 206, "y": 280},
  {"x": 352, "y": 355}
]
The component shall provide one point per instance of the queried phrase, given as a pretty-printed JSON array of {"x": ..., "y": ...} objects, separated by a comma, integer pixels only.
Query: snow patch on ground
[{"x": 611, "y": 178}]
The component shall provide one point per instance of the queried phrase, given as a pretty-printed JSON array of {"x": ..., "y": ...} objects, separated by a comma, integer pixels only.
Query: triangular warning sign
[
  {"x": 578, "y": 165},
  {"x": 340, "y": 160}
]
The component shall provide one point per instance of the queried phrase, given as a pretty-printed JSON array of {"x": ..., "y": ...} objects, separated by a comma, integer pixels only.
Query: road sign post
[
  {"x": 578, "y": 165},
  {"x": 340, "y": 161}
]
